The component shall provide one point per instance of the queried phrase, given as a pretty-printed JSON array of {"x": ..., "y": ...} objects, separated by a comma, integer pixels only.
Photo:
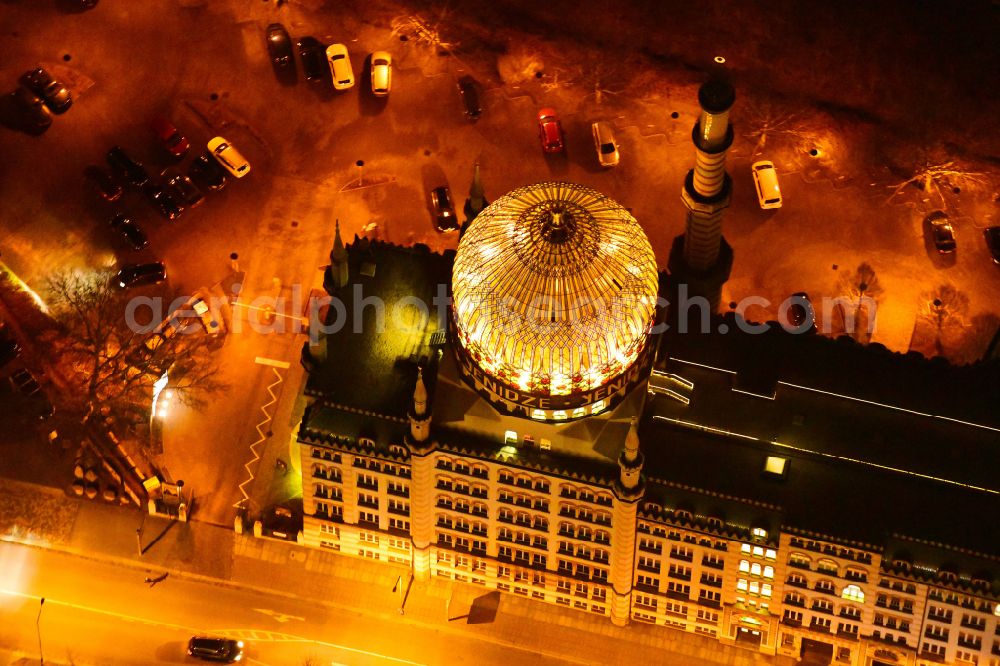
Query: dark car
[
  {"x": 169, "y": 137},
  {"x": 992, "y": 235},
  {"x": 279, "y": 46},
  {"x": 9, "y": 350},
  {"x": 34, "y": 114},
  {"x": 444, "y": 209},
  {"x": 182, "y": 189},
  {"x": 133, "y": 275},
  {"x": 207, "y": 173},
  {"x": 103, "y": 183},
  {"x": 126, "y": 168},
  {"x": 313, "y": 55},
  {"x": 163, "y": 201},
  {"x": 215, "y": 649},
  {"x": 800, "y": 314},
  {"x": 550, "y": 131},
  {"x": 133, "y": 235},
  {"x": 55, "y": 94},
  {"x": 942, "y": 233},
  {"x": 468, "y": 88}
]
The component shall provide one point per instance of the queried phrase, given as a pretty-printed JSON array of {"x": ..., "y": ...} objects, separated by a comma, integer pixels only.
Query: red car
[
  {"x": 550, "y": 131},
  {"x": 169, "y": 136}
]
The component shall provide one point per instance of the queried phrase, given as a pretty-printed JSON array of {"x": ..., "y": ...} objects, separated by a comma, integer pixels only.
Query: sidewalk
[{"x": 46, "y": 517}]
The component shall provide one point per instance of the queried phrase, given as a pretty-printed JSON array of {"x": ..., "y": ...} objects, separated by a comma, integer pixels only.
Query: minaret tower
[
  {"x": 476, "y": 201},
  {"x": 421, "y": 448},
  {"x": 629, "y": 489},
  {"x": 336, "y": 276},
  {"x": 701, "y": 258}
]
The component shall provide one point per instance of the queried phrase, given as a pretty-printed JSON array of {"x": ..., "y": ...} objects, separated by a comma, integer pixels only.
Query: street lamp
[{"x": 38, "y": 630}]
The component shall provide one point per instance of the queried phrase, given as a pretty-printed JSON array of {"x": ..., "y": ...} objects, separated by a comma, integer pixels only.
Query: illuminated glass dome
[{"x": 554, "y": 289}]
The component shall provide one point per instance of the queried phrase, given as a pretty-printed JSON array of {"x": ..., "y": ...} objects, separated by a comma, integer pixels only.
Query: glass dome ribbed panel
[{"x": 554, "y": 289}]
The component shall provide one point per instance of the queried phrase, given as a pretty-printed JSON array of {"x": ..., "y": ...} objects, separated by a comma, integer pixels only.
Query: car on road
[
  {"x": 129, "y": 230},
  {"x": 340, "y": 66},
  {"x": 229, "y": 157},
  {"x": 765, "y": 180},
  {"x": 381, "y": 73},
  {"x": 32, "y": 110},
  {"x": 54, "y": 94},
  {"x": 126, "y": 168},
  {"x": 604, "y": 142},
  {"x": 163, "y": 201},
  {"x": 468, "y": 88},
  {"x": 209, "y": 648},
  {"x": 941, "y": 231},
  {"x": 133, "y": 275},
  {"x": 550, "y": 131},
  {"x": 182, "y": 189},
  {"x": 444, "y": 209},
  {"x": 313, "y": 57},
  {"x": 992, "y": 236},
  {"x": 279, "y": 46},
  {"x": 102, "y": 182},
  {"x": 207, "y": 173},
  {"x": 800, "y": 314},
  {"x": 169, "y": 137}
]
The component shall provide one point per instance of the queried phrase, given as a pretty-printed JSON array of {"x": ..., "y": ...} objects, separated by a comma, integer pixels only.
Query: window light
[
  {"x": 510, "y": 437},
  {"x": 741, "y": 584},
  {"x": 758, "y": 551},
  {"x": 759, "y": 532},
  {"x": 744, "y": 566},
  {"x": 776, "y": 466},
  {"x": 853, "y": 593},
  {"x": 755, "y": 569}
]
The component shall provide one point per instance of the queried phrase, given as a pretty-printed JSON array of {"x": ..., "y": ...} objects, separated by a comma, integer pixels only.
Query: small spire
[
  {"x": 477, "y": 197},
  {"x": 339, "y": 252},
  {"x": 420, "y": 395},
  {"x": 632, "y": 442}
]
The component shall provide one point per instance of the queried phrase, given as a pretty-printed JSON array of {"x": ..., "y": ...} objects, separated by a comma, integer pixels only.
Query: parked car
[
  {"x": 604, "y": 142},
  {"x": 163, "y": 201},
  {"x": 992, "y": 235},
  {"x": 550, "y": 131},
  {"x": 207, "y": 173},
  {"x": 381, "y": 73},
  {"x": 31, "y": 109},
  {"x": 313, "y": 57},
  {"x": 765, "y": 179},
  {"x": 229, "y": 157},
  {"x": 444, "y": 209},
  {"x": 209, "y": 648},
  {"x": 182, "y": 189},
  {"x": 340, "y": 66},
  {"x": 279, "y": 46},
  {"x": 800, "y": 314},
  {"x": 942, "y": 233},
  {"x": 103, "y": 183},
  {"x": 468, "y": 88},
  {"x": 133, "y": 275},
  {"x": 54, "y": 94},
  {"x": 126, "y": 168},
  {"x": 169, "y": 137},
  {"x": 129, "y": 230},
  {"x": 9, "y": 350}
]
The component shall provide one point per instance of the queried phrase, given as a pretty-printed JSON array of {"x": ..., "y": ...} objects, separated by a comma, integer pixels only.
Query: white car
[
  {"x": 604, "y": 142},
  {"x": 381, "y": 73},
  {"x": 340, "y": 66},
  {"x": 765, "y": 179},
  {"x": 228, "y": 157}
]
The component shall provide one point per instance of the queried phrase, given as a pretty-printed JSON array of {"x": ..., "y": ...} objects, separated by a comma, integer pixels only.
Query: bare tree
[
  {"x": 946, "y": 308},
  {"x": 935, "y": 175},
  {"x": 116, "y": 359},
  {"x": 766, "y": 119}
]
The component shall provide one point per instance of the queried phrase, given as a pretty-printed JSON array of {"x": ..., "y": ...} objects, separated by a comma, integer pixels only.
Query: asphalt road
[
  {"x": 97, "y": 613},
  {"x": 204, "y": 65}
]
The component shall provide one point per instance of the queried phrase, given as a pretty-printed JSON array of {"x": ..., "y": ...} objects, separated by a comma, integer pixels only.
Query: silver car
[{"x": 604, "y": 142}]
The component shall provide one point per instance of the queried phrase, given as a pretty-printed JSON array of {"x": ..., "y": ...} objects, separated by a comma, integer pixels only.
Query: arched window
[
  {"x": 744, "y": 566},
  {"x": 769, "y": 571},
  {"x": 853, "y": 593},
  {"x": 755, "y": 569}
]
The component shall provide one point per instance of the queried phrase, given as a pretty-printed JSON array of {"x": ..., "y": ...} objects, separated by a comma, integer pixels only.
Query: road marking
[
  {"x": 262, "y": 434},
  {"x": 280, "y": 617},
  {"x": 100, "y": 611},
  {"x": 284, "y": 365}
]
